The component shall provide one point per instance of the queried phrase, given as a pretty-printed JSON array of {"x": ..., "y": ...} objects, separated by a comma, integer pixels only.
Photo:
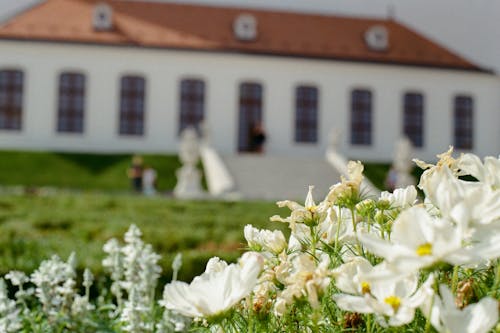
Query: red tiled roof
[{"x": 196, "y": 27}]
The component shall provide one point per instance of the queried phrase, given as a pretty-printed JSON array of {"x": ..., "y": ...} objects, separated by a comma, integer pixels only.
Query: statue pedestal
[{"x": 188, "y": 183}]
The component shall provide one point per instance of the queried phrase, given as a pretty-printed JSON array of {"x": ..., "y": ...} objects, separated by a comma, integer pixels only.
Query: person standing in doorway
[{"x": 258, "y": 138}]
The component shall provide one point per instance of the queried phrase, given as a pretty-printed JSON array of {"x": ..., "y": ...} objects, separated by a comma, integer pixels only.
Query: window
[
  {"x": 71, "y": 103},
  {"x": 413, "y": 118},
  {"x": 11, "y": 99},
  {"x": 361, "y": 117},
  {"x": 306, "y": 114},
  {"x": 132, "y": 105},
  {"x": 192, "y": 103},
  {"x": 250, "y": 114},
  {"x": 463, "y": 122}
]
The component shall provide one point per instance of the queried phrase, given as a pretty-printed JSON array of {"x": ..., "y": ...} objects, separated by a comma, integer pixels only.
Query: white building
[{"x": 80, "y": 75}]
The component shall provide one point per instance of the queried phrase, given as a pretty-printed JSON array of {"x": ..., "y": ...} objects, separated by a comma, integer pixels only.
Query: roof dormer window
[
  {"x": 245, "y": 27},
  {"x": 103, "y": 17},
  {"x": 377, "y": 38}
]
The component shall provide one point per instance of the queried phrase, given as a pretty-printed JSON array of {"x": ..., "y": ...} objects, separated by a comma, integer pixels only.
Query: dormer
[
  {"x": 102, "y": 17},
  {"x": 245, "y": 27},
  {"x": 377, "y": 38}
]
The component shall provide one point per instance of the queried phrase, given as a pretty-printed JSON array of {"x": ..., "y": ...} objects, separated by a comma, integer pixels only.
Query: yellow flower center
[
  {"x": 312, "y": 209},
  {"x": 365, "y": 288},
  {"x": 424, "y": 249},
  {"x": 394, "y": 302}
]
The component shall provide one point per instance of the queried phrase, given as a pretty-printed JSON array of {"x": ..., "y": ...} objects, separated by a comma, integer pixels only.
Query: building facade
[{"x": 85, "y": 87}]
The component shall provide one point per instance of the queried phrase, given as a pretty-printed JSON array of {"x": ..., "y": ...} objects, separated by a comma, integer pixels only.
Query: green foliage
[{"x": 33, "y": 227}]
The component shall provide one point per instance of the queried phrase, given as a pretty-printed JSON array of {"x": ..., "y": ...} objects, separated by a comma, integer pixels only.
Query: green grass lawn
[
  {"x": 33, "y": 227},
  {"x": 105, "y": 172}
]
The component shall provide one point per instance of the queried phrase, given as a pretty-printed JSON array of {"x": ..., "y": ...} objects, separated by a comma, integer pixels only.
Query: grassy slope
[
  {"x": 32, "y": 228},
  {"x": 79, "y": 171}
]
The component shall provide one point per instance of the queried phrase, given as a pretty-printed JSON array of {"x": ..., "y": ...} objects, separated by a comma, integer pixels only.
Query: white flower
[
  {"x": 465, "y": 203},
  {"x": 88, "y": 278},
  {"x": 417, "y": 240},
  {"x": 396, "y": 299},
  {"x": 350, "y": 186},
  {"x": 302, "y": 276},
  {"x": 10, "y": 321},
  {"x": 488, "y": 173},
  {"x": 349, "y": 277},
  {"x": 266, "y": 240},
  {"x": 309, "y": 214},
  {"x": 446, "y": 318},
  {"x": 216, "y": 290},
  {"x": 401, "y": 197},
  {"x": 55, "y": 282},
  {"x": 17, "y": 278},
  {"x": 176, "y": 265}
]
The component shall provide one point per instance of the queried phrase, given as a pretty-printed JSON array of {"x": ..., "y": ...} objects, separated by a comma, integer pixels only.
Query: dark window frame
[
  {"x": 71, "y": 102},
  {"x": 132, "y": 105},
  {"x": 414, "y": 117},
  {"x": 11, "y": 99},
  {"x": 306, "y": 114},
  {"x": 463, "y": 122},
  {"x": 191, "y": 103},
  {"x": 361, "y": 121}
]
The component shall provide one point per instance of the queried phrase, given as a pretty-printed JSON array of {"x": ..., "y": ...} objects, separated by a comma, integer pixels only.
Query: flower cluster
[{"x": 348, "y": 262}]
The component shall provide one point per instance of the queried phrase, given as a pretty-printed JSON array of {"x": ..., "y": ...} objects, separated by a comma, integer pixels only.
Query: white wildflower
[
  {"x": 396, "y": 299},
  {"x": 401, "y": 197},
  {"x": 17, "y": 278},
  {"x": 446, "y": 317},
  {"x": 176, "y": 265},
  {"x": 303, "y": 276},
  {"x": 216, "y": 290},
  {"x": 10, "y": 321},
  {"x": 88, "y": 278},
  {"x": 55, "y": 283},
  {"x": 309, "y": 214},
  {"x": 265, "y": 240},
  {"x": 417, "y": 241}
]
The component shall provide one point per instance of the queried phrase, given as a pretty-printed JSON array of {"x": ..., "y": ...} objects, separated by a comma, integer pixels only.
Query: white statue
[
  {"x": 402, "y": 164},
  {"x": 188, "y": 176},
  {"x": 334, "y": 139}
]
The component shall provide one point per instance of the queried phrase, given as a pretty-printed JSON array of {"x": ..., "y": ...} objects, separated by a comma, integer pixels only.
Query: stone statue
[
  {"x": 402, "y": 164},
  {"x": 334, "y": 139},
  {"x": 188, "y": 176}
]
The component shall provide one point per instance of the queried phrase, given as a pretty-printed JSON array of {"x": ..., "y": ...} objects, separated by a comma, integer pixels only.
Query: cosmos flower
[
  {"x": 396, "y": 299},
  {"x": 265, "y": 240},
  {"x": 447, "y": 318},
  {"x": 417, "y": 240},
  {"x": 218, "y": 289}
]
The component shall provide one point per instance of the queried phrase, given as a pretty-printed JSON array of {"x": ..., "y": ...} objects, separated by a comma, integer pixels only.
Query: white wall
[{"x": 163, "y": 69}]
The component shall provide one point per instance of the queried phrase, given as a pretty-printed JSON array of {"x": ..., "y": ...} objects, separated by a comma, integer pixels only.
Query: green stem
[
  {"x": 496, "y": 284},
  {"x": 428, "y": 319},
  {"x": 454, "y": 279},
  {"x": 353, "y": 218},
  {"x": 337, "y": 234},
  {"x": 313, "y": 241}
]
